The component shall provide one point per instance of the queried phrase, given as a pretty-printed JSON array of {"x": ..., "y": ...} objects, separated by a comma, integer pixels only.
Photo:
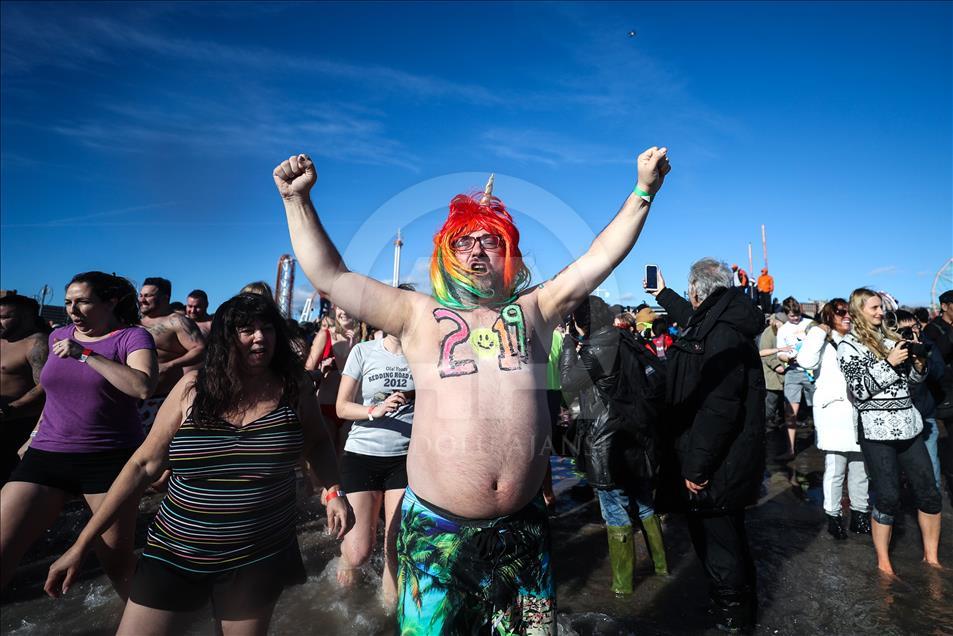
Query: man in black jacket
[
  {"x": 613, "y": 446},
  {"x": 714, "y": 462},
  {"x": 939, "y": 332}
]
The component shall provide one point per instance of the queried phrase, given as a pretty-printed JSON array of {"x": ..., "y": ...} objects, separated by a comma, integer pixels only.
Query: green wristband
[{"x": 642, "y": 194}]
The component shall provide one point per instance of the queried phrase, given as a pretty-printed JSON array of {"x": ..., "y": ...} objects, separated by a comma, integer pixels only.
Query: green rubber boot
[
  {"x": 652, "y": 529},
  {"x": 622, "y": 558}
]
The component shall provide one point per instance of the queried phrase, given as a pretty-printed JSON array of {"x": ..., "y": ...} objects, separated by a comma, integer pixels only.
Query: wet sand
[{"x": 809, "y": 583}]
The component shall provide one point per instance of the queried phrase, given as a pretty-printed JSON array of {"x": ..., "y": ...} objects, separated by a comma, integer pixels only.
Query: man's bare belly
[
  {"x": 167, "y": 348},
  {"x": 478, "y": 470},
  {"x": 480, "y": 442}
]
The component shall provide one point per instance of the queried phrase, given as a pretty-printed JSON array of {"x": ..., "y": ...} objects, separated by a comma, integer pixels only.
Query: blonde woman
[
  {"x": 329, "y": 352},
  {"x": 878, "y": 367}
]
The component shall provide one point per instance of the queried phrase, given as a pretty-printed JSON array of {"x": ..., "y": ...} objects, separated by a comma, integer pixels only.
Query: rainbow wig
[{"x": 452, "y": 282}]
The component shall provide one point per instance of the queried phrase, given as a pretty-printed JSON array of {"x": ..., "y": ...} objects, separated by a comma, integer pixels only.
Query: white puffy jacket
[{"x": 835, "y": 420}]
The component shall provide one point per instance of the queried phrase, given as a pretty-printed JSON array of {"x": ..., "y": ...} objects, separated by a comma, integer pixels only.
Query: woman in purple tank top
[{"x": 100, "y": 366}]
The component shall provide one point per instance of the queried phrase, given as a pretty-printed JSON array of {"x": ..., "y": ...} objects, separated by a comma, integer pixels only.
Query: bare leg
[
  {"x": 881, "y": 535},
  {"x": 257, "y": 626},
  {"x": 358, "y": 544},
  {"x": 392, "y": 501},
  {"x": 114, "y": 548},
  {"x": 26, "y": 512},
  {"x": 930, "y": 531},
  {"x": 139, "y": 620}
]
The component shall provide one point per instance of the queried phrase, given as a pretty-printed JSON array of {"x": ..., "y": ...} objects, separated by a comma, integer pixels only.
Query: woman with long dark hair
[
  {"x": 879, "y": 368},
  {"x": 100, "y": 366},
  {"x": 232, "y": 433},
  {"x": 834, "y": 421}
]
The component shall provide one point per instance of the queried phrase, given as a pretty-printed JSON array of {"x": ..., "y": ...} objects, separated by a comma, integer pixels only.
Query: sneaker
[
  {"x": 835, "y": 528},
  {"x": 859, "y": 522}
]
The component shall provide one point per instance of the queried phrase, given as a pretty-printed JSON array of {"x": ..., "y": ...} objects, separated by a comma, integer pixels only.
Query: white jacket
[
  {"x": 880, "y": 394},
  {"x": 835, "y": 420}
]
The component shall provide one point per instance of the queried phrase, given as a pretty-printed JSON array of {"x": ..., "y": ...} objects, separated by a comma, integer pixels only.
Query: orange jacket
[{"x": 766, "y": 283}]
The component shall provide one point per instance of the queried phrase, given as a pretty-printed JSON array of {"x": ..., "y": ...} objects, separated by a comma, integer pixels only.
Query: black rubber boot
[
  {"x": 859, "y": 522},
  {"x": 734, "y": 612},
  {"x": 835, "y": 528}
]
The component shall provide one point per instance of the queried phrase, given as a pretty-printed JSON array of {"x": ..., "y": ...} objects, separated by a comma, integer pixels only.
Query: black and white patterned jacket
[{"x": 879, "y": 393}]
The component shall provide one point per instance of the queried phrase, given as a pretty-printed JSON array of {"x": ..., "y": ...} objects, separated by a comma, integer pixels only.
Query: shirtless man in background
[
  {"x": 473, "y": 548},
  {"x": 24, "y": 347},
  {"x": 179, "y": 342},
  {"x": 196, "y": 308}
]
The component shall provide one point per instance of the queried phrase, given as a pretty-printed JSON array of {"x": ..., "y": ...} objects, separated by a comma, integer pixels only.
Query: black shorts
[
  {"x": 236, "y": 594},
  {"x": 75, "y": 473},
  {"x": 360, "y": 473}
]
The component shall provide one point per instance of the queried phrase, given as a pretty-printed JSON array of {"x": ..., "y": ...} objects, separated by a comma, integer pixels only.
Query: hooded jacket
[{"x": 716, "y": 393}]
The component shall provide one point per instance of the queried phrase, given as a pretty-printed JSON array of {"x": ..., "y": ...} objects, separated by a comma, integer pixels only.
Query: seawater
[{"x": 809, "y": 584}]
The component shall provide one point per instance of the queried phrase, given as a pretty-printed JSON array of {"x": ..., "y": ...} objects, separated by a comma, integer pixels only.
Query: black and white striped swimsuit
[{"x": 231, "y": 499}]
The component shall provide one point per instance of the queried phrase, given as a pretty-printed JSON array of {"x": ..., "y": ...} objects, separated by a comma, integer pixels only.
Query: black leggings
[{"x": 884, "y": 461}]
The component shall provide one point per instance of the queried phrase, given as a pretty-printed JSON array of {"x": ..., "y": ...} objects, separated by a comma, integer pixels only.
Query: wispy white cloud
[
  {"x": 880, "y": 271},
  {"x": 332, "y": 131},
  {"x": 86, "y": 41}
]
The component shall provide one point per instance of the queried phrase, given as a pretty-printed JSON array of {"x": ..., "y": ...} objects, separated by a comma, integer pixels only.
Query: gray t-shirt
[{"x": 380, "y": 373}]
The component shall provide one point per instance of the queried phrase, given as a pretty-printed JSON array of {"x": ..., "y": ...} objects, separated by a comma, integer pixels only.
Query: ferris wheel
[{"x": 942, "y": 282}]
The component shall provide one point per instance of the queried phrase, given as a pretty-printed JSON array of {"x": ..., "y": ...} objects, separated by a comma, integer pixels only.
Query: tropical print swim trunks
[{"x": 462, "y": 576}]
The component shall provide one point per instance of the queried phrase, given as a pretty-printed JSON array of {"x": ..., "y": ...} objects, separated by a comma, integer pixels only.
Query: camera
[{"x": 916, "y": 349}]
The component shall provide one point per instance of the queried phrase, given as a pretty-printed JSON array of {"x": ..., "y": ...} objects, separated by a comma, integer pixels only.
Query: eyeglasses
[
  {"x": 488, "y": 241},
  {"x": 840, "y": 311}
]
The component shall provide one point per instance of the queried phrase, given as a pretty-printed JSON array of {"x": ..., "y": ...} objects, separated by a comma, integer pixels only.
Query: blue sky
[{"x": 140, "y": 138}]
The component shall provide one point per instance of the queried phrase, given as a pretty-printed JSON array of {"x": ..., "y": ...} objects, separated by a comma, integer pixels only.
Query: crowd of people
[{"x": 437, "y": 412}]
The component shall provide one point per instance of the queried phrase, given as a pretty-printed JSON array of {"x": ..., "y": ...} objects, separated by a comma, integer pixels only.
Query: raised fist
[
  {"x": 295, "y": 177},
  {"x": 653, "y": 166}
]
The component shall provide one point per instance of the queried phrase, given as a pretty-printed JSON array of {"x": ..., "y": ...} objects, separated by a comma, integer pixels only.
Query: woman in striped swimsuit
[{"x": 232, "y": 434}]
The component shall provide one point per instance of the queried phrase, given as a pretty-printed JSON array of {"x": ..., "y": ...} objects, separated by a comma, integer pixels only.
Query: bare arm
[
  {"x": 319, "y": 451},
  {"x": 317, "y": 348},
  {"x": 145, "y": 465},
  {"x": 318, "y": 447},
  {"x": 572, "y": 285},
  {"x": 345, "y": 406},
  {"x": 348, "y": 409},
  {"x": 362, "y": 297},
  {"x": 137, "y": 377},
  {"x": 31, "y": 402},
  {"x": 190, "y": 337}
]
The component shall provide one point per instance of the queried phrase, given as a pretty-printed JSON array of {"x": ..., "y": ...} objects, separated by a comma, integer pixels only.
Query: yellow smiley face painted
[{"x": 485, "y": 343}]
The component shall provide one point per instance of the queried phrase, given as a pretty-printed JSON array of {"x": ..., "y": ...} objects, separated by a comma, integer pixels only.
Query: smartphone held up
[{"x": 651, "y": 277}]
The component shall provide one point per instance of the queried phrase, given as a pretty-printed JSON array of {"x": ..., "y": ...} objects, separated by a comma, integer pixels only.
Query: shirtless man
[
  {"x": 196, "y": 308},
  {"x": 179, "y": 342},
  {"x": 477, "y": 349},
  {"x": 24, "y": 347}
]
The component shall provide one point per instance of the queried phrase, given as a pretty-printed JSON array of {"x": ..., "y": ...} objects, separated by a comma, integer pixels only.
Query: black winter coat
[
  {"x": 609, "y": 454},
  {"x": 716, "y": 392}
]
